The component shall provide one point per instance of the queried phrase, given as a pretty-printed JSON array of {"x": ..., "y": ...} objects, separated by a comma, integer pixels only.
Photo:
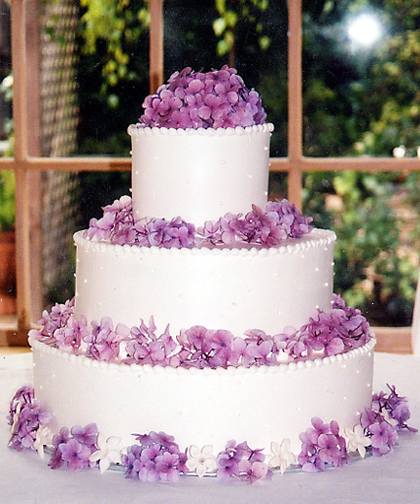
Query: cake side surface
[
  {"x": 235, "y": 289},
  {"x": 201, "y": 174},
  {"x": 201, "y": 407}
]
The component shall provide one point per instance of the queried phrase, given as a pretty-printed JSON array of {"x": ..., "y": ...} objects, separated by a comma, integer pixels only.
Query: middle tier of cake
[{"x": 236, "y": 289}]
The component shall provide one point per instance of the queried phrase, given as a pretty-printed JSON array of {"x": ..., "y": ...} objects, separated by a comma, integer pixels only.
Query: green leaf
[
  {"x": 219, "y": 26},
  {"x": 220, "y": 6},
  {"x": 222, "y": 48},
  {"x": 231, "y": 18},
  {"x": 264, "y": 42}
]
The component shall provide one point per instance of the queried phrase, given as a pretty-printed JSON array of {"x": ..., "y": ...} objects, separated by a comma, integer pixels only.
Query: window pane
[
  {"x": 7, "y": 178},
  {"x": 251, "y": 36},
  {"x": 93, "y": 63},
  {"x": 70, "y": 200},
  {"x": 277, "y": 186},
  {"x": 60, "y": 216},
  {"x": 361, "y": 78},
  {"x": 112, "y": 74},
  {"x": 6, "y": 82},
  {"x": 376, "y": 218}
]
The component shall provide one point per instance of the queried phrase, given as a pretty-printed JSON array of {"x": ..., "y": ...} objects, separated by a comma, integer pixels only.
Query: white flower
[
  {"x": 201, "y": 461},
  {"x": 283, "y": 356},
  {"x": 281, "y": 456},
  {"x": 356, "y": 440},
  {"x": 43, "y": 438},
  {"x": 388, "y": 418},
  {"x": 15, "y": 417},
  {"x": 109, "y": 452}
]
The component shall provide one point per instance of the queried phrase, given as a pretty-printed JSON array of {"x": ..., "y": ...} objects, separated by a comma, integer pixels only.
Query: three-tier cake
[{"x": 203, "y": 311}]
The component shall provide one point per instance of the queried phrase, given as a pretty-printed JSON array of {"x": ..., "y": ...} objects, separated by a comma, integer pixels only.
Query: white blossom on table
[
  {"x": 388, "y": 418},
  {"x": 356, "y": 440},
  {"x": 15, "y": 417},
  {"x": 43, "y": 438},
  {"x": 281, "y": 456},
  {"x": 201, "y": 461},
  {"x": 109, "y": 452}
]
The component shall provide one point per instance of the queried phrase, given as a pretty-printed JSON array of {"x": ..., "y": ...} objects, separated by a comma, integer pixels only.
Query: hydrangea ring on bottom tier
[
  {"x": 203, "y": 406},
  {"x": 156, "y": 456}
]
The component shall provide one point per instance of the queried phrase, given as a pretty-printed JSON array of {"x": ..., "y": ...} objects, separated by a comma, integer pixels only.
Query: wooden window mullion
[
  {"x": 294, "y": 86},
  {"x": 156, "y": 45},
  {"x": 23, "y": 193}
]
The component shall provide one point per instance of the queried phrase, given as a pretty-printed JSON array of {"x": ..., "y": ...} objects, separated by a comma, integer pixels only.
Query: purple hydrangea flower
[
  {"x": 156, "y": 457},
  {"x": 56, "y": 460},
  {"x": 70, "y": 336},
  {"x": 87, "y": 435},
  {"x": 146, "y": 347},
  {"x": 293, "y": 222},
  {"x": 175, "y": 233},
  {"x": 52, "y": 321},
  {"x": 253, "y": 471},
  {"x": 327, "y": 333},
  {"x": 383, "y": 436},
  {"x": 132, "y": 463},
  {"x": 73, "y": 449},
  {"x": 202, "y": 348},
  {"x": 210, "y": 233},
  {"x": 104, "y": 341},
  {"x": 27, "y": 419},
  {"x": 215, "y": 99},
  {"x": 239, "y": 461},
  {"x": 116, "y": 225},
  {"x": 322, "y": 446},
  {"x": 75, "y": 455},
  {"x": 266, "y": 227},
  {"x": 166, "y": 466},
  {"x": 24, "y": 395},
  {"x": 381, "y": 422},
  {"x": 258, "y": 350},
  {"x": 395, "y": 405}
]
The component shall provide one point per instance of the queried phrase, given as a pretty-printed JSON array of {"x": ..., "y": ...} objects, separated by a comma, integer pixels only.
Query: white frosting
[
  {"x": 235, "y": 289},
  {"x": 199, "y": 174},
  {"x": 209, "y": 406}
]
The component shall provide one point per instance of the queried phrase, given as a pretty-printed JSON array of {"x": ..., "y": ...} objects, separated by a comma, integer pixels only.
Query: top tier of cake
[
  {"x": 201, "y": 148},
  {"x": 199, "y": 174}
]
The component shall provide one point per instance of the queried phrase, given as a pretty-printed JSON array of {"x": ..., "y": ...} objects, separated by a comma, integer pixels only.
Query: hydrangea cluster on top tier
[
  {"x": 268, "y": 227},
  {"x": 327, "y": 333},
  {"x": 156, "y": 456},
  {"x": 215, "y": 99}
]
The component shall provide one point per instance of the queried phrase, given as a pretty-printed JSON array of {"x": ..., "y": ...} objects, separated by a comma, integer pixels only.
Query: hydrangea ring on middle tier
[
  {"x": 326, "y": 334},
  {"x": 268, "y": 227}
]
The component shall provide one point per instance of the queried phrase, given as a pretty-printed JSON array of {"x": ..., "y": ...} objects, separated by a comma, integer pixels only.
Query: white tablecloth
[{"x": 391, "y": 479}]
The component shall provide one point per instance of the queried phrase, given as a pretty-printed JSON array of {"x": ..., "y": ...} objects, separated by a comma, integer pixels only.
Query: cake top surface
[{"x": 214, "y": 99}]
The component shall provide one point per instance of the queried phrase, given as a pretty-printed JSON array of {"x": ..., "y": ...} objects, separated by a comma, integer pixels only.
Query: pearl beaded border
[
  {"x": 317, "y": 238},
  {"x": 137, "y": 130},
  {"x": 136, "y": 369}
]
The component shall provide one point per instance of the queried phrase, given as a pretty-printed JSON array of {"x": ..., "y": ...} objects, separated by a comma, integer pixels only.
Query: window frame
[{"x": 23, "y": 14}]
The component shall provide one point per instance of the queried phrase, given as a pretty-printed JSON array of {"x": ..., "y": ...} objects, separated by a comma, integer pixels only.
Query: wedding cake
[{"x": 203, "y": 311}]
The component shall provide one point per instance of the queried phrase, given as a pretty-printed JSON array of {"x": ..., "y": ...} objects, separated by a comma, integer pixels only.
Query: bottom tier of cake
[{"x": 204, "y": 407}]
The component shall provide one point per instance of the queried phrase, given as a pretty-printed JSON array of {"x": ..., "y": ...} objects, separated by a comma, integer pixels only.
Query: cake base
[{"x": 203, "y": 406}]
